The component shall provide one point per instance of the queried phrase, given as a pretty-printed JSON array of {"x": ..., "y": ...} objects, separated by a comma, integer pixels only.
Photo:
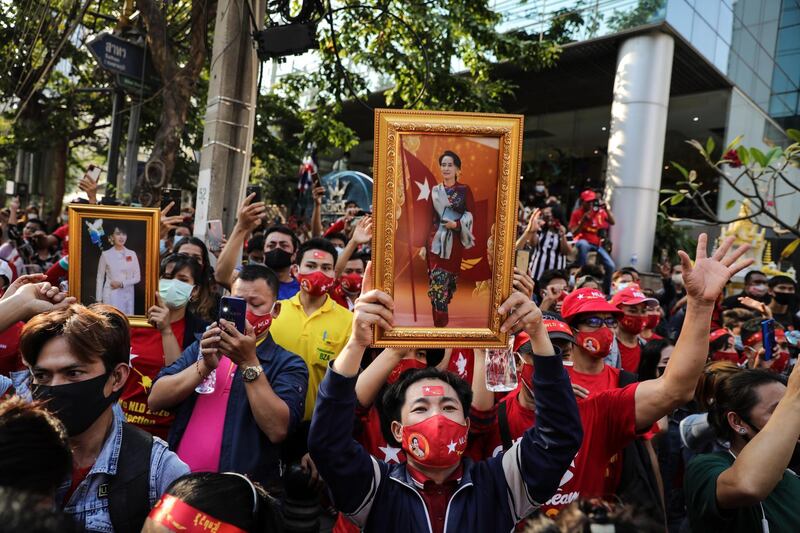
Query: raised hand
[
  {"x": 363, "y": 231},
  {"x": 373, "y": 308},
  {"x": 705, "y": 279},
  {"x": 524, "y": 314},
  {"x": 523, "y": 283},
  {"x": 158, "y": 315},
  {"x": 38, "y": 298},
  {"x": 168, "y": 223},
  {"x": 20, "y": 281},
  {"x": 250, "y": 215}
]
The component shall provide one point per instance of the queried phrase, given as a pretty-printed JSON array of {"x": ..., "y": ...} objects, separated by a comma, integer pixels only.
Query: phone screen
[
  {"x": 94, "y": 172},
  {"x": 214, "y": 235},
  {"x": 171, "y": 196},
  {"x": 254, "y": 189},
  {"x": 233, "y": 310},
  {"x": 523, "y": 260}
]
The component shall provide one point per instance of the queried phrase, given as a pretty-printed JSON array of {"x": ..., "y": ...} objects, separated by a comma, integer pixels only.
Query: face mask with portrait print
[
  {"x": 632, "y": 324},
  {"x": 436, "y": 442},
  {"x": 596, "y": 343},
  {"x": 652, "y": 321},
  {"x": 351, "y": 283},
  {"x": 316, "y": 283}
]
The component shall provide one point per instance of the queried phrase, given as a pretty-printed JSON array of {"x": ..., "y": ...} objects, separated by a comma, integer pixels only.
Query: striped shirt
[{"x": 547, "y": 254}]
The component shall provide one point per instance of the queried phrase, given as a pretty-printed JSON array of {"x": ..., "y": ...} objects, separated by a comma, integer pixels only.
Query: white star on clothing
[
  {"x": 424, "y": 190},
  {"x": 390, "y": 453},
  {"x": 580, "y": 297},
  {"x": 451, "y": 448}
]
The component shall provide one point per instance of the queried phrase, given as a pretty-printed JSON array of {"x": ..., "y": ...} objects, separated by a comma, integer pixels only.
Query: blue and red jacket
[{"x": 492, "y": 495}]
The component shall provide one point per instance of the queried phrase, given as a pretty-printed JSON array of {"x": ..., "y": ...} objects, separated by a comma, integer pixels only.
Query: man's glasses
[{"x": 596, "y": 322}]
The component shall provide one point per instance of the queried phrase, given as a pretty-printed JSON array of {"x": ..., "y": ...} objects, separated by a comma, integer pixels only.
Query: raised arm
[
  {"x": 361, "y": 235},
  {"x": 761, "y": 464},
  {"x": 316, "y": 215},
  {"x": 704, "y": 283},
  {"x": 248, "y": 219},
  {"x": 373, "y": 377}
]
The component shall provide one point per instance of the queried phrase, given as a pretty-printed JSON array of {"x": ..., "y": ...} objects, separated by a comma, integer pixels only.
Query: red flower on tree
[{"x": 732, "y": 157}]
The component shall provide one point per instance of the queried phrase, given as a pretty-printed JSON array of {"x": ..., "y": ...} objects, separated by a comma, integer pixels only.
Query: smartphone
[
  {"x": 315, "y": 181},
  {"x": 363, "y": 213},
  {"x": 174, "y": 196},
  {"x": 214, "y": 234},
  {"x": 254, "y": 189},
  {"x": 768, "y": 337},
  {"x": 94, "y": 172},
  {"x": 233, "y": 309},
  {"x": 10, "y": 186}
]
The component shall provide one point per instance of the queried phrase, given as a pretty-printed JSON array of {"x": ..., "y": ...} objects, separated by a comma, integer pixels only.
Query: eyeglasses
[{"x": 596, "y": 322}]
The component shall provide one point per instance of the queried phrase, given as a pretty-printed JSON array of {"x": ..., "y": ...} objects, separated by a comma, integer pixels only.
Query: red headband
[
  {"x": 753, "y": 339},
  {"x": 177, "y": 515}
]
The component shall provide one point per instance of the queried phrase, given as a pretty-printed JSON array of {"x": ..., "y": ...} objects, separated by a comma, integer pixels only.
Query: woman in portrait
[
  {"x": 451, "y": 234},
  {"x": 117, "y": 273}
]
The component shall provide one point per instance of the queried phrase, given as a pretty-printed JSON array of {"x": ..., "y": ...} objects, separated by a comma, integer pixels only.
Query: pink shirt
[{"x": 201, "y": 443}]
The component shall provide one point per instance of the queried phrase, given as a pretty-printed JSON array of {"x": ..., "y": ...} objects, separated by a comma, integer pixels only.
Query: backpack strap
[
  {"x": 129, "y": 489},
  {"x": 502, "y": 421}
]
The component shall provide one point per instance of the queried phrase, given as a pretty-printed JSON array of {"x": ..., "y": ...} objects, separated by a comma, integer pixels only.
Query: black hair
[
  {"x": 364, "y": 257},
  {"x": 24, "y": 512},
  {"x": 737, "y": 393},
  {"x": 595, "y": 271},
  {"x": 280, "y": 228},
  {"x": 453, "y": 155},
  {"x": 651, "y": 355},
  {"x": 337, "y": 235},
  {"x": 774, "y": 281},
  {"x": 181, "y": 261},
  {"x": 317, "y": 243},
  {"x": 34, "y": 453},
  {"x": 228, "y": 498},
  {"x": 253, "y": 272},
  {"x": 630, "y": 270},
  {"x": 39, "y": 222},
  {"x": 549, "y": 275},
  {"x": 197, "y": 242},
  {"x": 749, "y": 275},
  {"x": 255, "y": 244},
  {"x": 395, "y": 397}
]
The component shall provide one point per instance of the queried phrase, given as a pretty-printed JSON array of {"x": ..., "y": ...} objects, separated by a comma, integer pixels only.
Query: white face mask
[
  {"x": 619, "y": 286},
  {"x": 174, "y": 292}
]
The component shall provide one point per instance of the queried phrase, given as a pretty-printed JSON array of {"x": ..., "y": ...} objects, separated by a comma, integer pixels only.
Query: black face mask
[
  {"x": 77, "y": 405},
  {"x": 278, "y": 259},
  {"x": 785, "y": 298}
]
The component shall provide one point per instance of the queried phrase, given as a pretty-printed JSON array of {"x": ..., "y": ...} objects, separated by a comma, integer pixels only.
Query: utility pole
[
  {"x": 114, "y": 144},
  {"x": 230, "y": 115}
]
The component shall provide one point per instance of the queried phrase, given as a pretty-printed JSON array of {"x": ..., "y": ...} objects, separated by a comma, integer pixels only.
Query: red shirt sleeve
[{"x": 575, "y": 217}]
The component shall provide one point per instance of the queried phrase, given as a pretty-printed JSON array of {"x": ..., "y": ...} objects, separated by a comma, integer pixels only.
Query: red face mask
[
  {"x": 526, "y": 376},
  {"x": 595, "y": 343},
  {"x": 402, "y": 366},
  {"x": 260, "y": 323},
  {"x": 351, "y": 283},
  {"x": 652, "y": 321},
  {"x": 315, "y": 284},
  {"x": 632, "y": 324},
  {"x": 436, "y": 442}
]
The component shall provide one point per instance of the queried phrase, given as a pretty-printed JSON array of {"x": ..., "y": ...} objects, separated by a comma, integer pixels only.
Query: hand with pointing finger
[
  {"x": 158, "y": 315},
  {"x": 373, "y": 308}
]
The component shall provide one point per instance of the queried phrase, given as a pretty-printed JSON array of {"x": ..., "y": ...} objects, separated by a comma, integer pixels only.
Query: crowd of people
[{"x": 637, "y": 408}]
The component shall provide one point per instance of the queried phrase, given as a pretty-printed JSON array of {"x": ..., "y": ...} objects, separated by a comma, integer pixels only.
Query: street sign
[{"x": 124, "y": 58}]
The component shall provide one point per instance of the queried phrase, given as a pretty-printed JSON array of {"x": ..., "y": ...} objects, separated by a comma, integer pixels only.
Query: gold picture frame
[
  {"x": 409, "y": 151},
  {"x": 94, "y": 260}
]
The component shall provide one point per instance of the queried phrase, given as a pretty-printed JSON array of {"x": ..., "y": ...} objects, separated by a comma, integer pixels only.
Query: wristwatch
[{"x": 251, "y": 373}]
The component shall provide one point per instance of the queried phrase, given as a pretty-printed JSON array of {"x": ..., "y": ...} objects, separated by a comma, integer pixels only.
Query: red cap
[
  {"x": 558, "y": 330},
  {"x": 588, "y": 195},
  {"x": 718, "y": 334},
  {"x": 586, "y": 301},
  {"x": 520, "y": 339},
  {"x": 632, "y": 295}
]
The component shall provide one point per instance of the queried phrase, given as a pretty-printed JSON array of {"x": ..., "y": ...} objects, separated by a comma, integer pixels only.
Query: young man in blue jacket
[{"x": 438, "y": 490}]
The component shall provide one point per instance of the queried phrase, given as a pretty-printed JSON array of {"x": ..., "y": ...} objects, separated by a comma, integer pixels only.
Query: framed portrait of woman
[
  {"x": 445, "y": 207},
  {"x": 113, "y": 257}
]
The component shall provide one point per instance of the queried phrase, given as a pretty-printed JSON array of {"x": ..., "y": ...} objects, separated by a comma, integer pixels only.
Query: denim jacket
[{"x": 88, "y": 506}]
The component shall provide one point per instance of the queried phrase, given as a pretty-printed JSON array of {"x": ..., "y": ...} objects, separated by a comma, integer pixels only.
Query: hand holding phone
[
  {"x": 172, "y": 196},
  {"x": 233, "y": 310},
  {"x": 214, "y": 234},
  {"x": 94, "y": 172},
  {"x": 253, "y": 189}
]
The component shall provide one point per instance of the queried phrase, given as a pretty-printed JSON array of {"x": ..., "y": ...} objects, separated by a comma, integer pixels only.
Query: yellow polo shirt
[{"x": 318, "y": 338}]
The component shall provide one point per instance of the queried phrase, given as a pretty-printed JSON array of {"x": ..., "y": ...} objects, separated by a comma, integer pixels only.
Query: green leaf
[
  {"x": 680, "y": 169},
  {"x": 698, "y": 147},
  {"x": 734, "y": 143},
  {"x": 744, "y": 155},
  {"x": 678, "y": 198},
  {"x": 668, "y": 191},
  {"x": 773, "y": 154},
  {"x": 759, "y": 156},
  {"x": 709, "y": 146},
  {"x": 793, "y": 134},
  {"x": 730, "y": 204}
]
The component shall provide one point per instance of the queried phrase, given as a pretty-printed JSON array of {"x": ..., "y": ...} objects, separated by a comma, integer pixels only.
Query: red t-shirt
[
  {"x": 62, "y": 232},
  {"x": 147, "y": 359},
  {"x": 603, "y": 437},
  {"x": 594, "y": 383},
  {"x": 588, "y": 231},
  {"x": 630, "y": 356},
  {"x": 10, "y": 359}
]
